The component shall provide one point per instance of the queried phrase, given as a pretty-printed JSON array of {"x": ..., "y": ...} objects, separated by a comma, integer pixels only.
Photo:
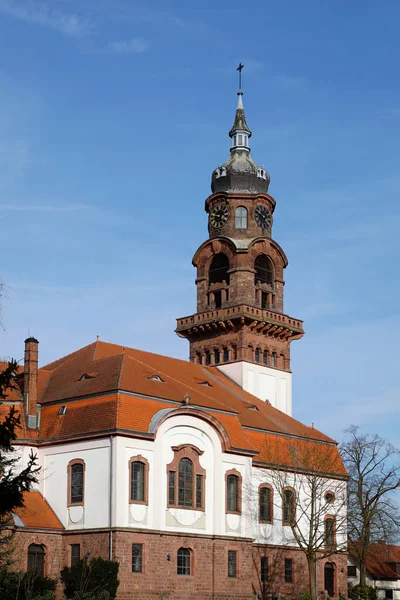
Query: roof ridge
[
  {"x": 66, "y": 358},
  {"x": 123, "y": 356}
]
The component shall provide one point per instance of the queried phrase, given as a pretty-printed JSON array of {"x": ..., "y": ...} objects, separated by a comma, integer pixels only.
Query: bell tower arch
[{"x": 240, "y": 325}]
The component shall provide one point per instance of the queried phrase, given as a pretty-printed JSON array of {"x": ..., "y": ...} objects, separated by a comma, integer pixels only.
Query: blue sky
[{"x": 113, "y": 115}]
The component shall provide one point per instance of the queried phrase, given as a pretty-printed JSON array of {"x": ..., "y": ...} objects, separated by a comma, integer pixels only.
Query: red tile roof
[
  {"x": 37, "y": 513},
  {"x": 108, "y": 387},
  {"x": 379, "y": 559}
]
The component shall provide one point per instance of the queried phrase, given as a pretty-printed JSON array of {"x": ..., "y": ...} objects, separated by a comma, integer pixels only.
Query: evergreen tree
[{"x": 13, "y": 482}]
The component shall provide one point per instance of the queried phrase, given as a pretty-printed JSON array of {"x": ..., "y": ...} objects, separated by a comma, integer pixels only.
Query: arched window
[
  {"x": 265, "y": 357},
  {"x": 185, "y": 482},
  {"x": 183, "y": 561},
  {"x": 216, "y": 356},
  {"x": 257, "y": 355},
  {"x": 330, "y": 541},
  {"x": 219, "y": 269},
  {"x": 233, "y": 493},
  {"x": 273, "y": 359},
  {"x": 288, "y": 507},
  {"x": 138, "y": 479},
  {"x": 265, "y": 504},
  {"x": 36, "y": 556},
  {"x": 186, "y": 478},
  {"x": 264, "y": 269},
  {"x": 241, "y": 217},
  {"x": 207, "y": 357},
  {"x": 225, "y": 355},
  {"x": 76, "y": 482}
]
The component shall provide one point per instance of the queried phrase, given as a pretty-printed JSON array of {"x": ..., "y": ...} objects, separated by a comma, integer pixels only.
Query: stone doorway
[{"x": 329, "y": 579}]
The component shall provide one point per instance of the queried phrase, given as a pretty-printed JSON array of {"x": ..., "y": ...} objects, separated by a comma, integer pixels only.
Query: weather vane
[{"x": 240, "y": 67}]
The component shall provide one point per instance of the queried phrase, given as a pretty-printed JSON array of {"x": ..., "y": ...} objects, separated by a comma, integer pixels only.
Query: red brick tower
[{"x": 240, "y": 324}]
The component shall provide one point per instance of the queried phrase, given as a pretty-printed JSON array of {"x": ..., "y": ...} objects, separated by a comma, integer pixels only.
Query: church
[{"x": 172, "y": 468}]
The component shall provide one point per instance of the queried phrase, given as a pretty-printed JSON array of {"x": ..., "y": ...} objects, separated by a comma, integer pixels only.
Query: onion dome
[{"x": 240, "y": 173}]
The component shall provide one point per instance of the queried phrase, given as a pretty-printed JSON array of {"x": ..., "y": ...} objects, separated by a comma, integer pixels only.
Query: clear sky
[{"x": 113, "y": 114}]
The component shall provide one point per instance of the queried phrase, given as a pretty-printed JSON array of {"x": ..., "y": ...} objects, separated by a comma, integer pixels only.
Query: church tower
[{"x": 240, "y": 325}]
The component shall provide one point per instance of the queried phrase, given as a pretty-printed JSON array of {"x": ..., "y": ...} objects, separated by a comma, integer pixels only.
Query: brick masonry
[{"x": 209, "y": 564}]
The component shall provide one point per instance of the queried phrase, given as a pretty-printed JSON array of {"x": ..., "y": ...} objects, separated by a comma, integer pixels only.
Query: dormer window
[
  {"x": 220, "y": 172},
  {"x": 86, "y": 376},
  {"x": 262, "y": 173},
  {"x": 205, "y": 383},
  {"x": 155, "y": 378}
]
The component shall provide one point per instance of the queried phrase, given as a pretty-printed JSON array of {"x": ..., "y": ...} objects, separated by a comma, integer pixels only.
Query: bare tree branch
[{"x": 374, "y": 468}]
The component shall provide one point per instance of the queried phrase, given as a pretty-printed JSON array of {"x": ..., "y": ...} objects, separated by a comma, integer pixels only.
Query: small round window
[{"x": 329, "y": 497}]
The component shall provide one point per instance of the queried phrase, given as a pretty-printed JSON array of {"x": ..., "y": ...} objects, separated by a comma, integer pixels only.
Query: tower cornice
[{"x": 239, "y": 196}]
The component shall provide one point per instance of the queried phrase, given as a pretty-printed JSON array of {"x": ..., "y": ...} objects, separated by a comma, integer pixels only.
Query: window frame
[
  {"x": 332, "y": 547},
  {"x": 192, "y": 453},
  {"x": 353, "y": 570},
  {"x": 138, "y": 544},
  {"x": 73, "y": 560},
  {"x": 75, "y": 461},
  {"x": 241, "y": 218},
  {"x": 237, "y": 474},
  {"x": 284, "y": 522},
  {"x": 264, "y": 274},
  {"x": 139, "y": 459},
  {"x": 190, "y": 556},
  {"x": 286, "y": 570},
  {"x": 235, "y": 553},
  {"x": 271, "y": 504},
  {"x": 264, "y": 569},
  {"x": 330, "y": 500},
  {"x": 42, "y": 572}
]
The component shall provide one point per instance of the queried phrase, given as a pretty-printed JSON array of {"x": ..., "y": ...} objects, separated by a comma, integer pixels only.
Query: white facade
[
  {"x": 107, "y": 485},
  {"x": 264, "y": 382}
]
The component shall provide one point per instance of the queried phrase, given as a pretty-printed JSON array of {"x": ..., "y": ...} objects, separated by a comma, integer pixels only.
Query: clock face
[
  {"x": 262, "y": 216},
  {"x": 219, "y": 216}
]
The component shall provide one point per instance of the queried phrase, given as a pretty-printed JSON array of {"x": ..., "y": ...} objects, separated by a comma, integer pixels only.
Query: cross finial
[{"x": 240, "y": 67}]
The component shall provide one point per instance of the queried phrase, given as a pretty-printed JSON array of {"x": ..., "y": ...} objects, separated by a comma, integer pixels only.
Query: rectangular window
[
  {"x": 218, "y": 299},
  {"x": 288, "y": 570},
  {"x": 199, "y": 490},
  {"x": 232, "y": 485},
  {"x": 264, "y": 569},
  {"x": 185, "y": 482},
  {"x": 330, "y": 534},
  {"x": 75, "y": 554},
  {"x": 265, "y": 504},
  {"x": 351, "y": 571},
  {"x": 137, "y": 481},
  {"x": 183, "y": 562},
  {"x": 389, "y": 594},
  {"x": 288, "y": 499},
  {"x": 171, "y": 487},
  {"x": 264, "y": 300},
  {"x": 137, "y": 558},
  {"x": 77, "y": 483},
  {"x": 232, "y": 563}
]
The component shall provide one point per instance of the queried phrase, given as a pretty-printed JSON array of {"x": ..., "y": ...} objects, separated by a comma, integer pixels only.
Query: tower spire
[{"x": 240, "y": 133}]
